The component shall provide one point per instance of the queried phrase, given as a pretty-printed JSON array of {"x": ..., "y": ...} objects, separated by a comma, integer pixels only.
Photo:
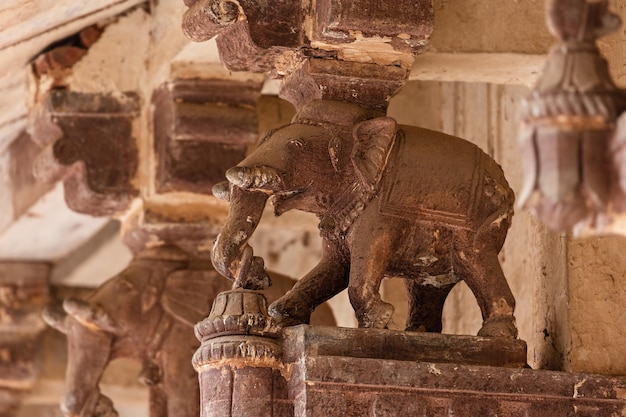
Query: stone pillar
[
  {"x": 240, "y": 359},
  {"x": 356, "y": 52},
  {"x": 23, "y": 294}
]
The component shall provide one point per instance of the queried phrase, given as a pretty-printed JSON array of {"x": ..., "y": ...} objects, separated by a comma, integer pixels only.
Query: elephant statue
[
  {"x": 147, "y": 312},
  {"x": 393, "y": 201}
]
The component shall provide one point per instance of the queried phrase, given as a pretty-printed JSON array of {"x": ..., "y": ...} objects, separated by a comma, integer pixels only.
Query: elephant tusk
[
  {"x": 92, "y": 317},
  {"x": 54, "y": 316},
  {"x": 258, "y": 177},
  {"x": 244, "y": 267},
  {"x": 222, "y": 190}
]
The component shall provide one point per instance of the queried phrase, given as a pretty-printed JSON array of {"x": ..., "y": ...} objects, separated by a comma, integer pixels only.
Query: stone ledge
[
  {"x": 397, "y": 345},
  {"x": 351, "y": 372}
]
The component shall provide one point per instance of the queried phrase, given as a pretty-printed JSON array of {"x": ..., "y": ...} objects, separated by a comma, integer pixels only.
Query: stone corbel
[
  {"x": 252, "y": 37},
  {"x": 89, "y": 138},
  {"x": 90, "y": 144},
  {"x": 358, "y": 49}
]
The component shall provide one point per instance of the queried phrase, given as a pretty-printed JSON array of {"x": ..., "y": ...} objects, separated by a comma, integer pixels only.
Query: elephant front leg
[
  {"x": 483, "y": 274},
  {"x": 323, "y": 282},
  {"x": 370, "y": 257}
]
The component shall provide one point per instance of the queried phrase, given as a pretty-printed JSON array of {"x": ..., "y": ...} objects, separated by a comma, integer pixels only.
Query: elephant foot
[
  {"x": 104, "y": 408},
  {"x": 150, "y": 373},
  {"x": 376, "y": 316},
  {"x": 500, "y": 326},
  {"x": 288, "y": 313},
  {"x": 415, "y": 328}
]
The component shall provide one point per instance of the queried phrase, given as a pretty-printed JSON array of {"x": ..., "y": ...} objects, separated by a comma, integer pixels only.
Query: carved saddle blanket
[{"x": 434, "y": 177}]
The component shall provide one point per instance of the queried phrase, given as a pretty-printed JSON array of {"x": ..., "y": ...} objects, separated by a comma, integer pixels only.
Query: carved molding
[
  {"x": 572, "y": 131},
  {"x": 202, "y": 128}
]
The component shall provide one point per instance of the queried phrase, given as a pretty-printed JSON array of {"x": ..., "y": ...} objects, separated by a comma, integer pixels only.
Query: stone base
[
  {"x": 402, "y": 346},
  {"x": 357, "y": 372}
]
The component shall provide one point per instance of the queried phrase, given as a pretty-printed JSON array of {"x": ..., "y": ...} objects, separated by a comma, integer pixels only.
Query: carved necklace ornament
[
  {"x": 570, "y": 135},
  {"x": 337, "y": 220}
]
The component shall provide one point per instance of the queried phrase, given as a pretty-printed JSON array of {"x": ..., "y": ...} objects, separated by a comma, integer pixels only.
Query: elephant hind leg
[
  {"x": 425, "y": 306},
  {"x": 158, "y": 401},
  {"x": 483, "y": 274}
]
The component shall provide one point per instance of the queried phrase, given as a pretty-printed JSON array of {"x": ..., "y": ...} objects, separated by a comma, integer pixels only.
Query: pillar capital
[{"x": 329, "y": 45}]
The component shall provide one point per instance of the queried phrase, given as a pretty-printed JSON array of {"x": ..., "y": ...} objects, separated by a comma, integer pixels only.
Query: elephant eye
[
  {"x": 124, "y": 285},
  {"x": 298, "y": 143}
]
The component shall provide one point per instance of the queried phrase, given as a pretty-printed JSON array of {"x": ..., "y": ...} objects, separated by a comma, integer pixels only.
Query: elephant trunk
[
  {"x": 256, "y": 177},
  {"x": 231, "y": 253},
  {"x": 206, "y": 18},
  {"x": 88, "y": 354}
]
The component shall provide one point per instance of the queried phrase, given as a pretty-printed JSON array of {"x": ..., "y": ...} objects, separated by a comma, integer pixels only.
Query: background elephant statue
[
  {"x": 147, "y": 312},
  {"x": 393, "y": 201}
]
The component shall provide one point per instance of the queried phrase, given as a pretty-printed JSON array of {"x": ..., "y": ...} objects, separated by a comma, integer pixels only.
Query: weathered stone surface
[
  {"x": 402, "y": 346},
  {"x": 394, "y": 31},
  {"x": 496, "y": 26},
  {"x": 26, "y": 189},
  {"x": 597, "y": 309},
  {"x": 239, "y": 349},
  {"x": 365, "y": 84},
  {"x": 371, "y": 31},
  {"x": 48, "y": 230},
  {"x": 345, "y": 383},
  {"x": 32, "y": 25}
]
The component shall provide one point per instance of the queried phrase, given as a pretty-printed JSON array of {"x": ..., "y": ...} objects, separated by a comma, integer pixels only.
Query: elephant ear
[
  {"x": 189, "y": 293},
  {"x": 373, "y": 140}
]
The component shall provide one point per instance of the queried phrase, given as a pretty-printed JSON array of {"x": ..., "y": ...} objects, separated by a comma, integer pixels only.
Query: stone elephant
[
  {"x": 147, "y": 312},
  {"x": 393, "y": 201}
]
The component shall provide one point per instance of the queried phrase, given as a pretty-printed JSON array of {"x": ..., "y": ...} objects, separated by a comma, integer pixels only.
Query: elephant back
[{"x": 434, "y": 177}]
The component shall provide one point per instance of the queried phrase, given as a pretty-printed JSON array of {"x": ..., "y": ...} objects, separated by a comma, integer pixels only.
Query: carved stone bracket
[
  {"x": 90, "y": 144},
  {"x": 99, "y": 144},
  {"x": 358, "y": 42},
  {"x": 365, "y": 84}
]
